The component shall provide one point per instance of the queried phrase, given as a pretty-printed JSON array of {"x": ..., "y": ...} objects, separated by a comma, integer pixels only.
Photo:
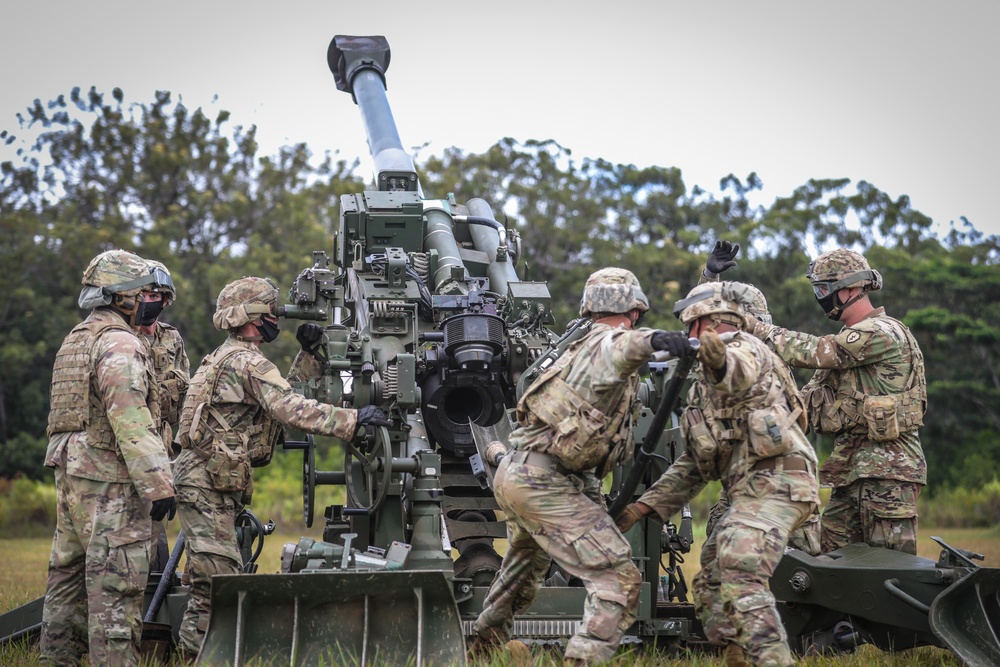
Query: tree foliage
[{"x": 189, "y": 189}]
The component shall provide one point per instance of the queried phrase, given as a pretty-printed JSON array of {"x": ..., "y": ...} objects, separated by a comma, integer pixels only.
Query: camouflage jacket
[
  {"x": 588, "y": 397},
  {"x": 113, "y": 375},
  {"x": 875, "y": 357},
  {"x": 740, "y": 411},
  {"x": 172, "y": 369},
  {"x": 247, "y": 383}
]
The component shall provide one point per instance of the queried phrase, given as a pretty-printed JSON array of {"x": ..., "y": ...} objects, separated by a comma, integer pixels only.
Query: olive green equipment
[{"x": 425, "y": 316}]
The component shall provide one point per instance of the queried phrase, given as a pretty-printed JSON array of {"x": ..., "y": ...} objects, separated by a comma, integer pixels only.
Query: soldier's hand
[
  {"x": 372, "y": 415},
  {"x": 722, "y": 257},
  {"x": 309, "y": 335},
  {"x": 712, "y": 353},
  {"x": 628, "y": 517},
  {"x": 164, "y": 507},
  {"x": 676, "y": 343}
]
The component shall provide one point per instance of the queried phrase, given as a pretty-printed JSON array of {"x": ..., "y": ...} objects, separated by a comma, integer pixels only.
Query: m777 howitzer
[{"x": 426, "y": 317}]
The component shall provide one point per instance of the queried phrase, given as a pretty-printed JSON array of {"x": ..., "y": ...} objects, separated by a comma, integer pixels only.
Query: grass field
[{"x": 22, "y": 579}]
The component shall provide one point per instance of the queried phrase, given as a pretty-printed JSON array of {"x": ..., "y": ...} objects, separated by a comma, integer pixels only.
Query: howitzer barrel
[{"x": 358, "y": 65}]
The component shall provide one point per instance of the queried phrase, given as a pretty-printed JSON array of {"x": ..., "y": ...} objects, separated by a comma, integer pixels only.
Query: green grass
[{"x": 22, "y": 579}]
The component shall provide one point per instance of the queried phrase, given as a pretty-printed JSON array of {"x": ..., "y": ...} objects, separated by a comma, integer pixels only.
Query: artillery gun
[{"x": 425, "y": 316}]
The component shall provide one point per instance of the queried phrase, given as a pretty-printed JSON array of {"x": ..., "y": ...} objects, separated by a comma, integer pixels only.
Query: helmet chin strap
[
  {"x": 131, "y": 313},
  {"x": 835, "y": 312}
]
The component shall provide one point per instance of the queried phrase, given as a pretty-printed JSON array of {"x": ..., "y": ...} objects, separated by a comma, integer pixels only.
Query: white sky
[{"x": 903, "y": 94}]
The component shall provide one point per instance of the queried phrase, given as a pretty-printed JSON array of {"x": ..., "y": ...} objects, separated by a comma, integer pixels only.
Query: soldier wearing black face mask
[
  {"x": 232, "y": 419},
  {"x": 173, "y": 373}
]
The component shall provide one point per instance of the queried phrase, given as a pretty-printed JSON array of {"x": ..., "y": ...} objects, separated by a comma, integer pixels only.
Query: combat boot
[{"x": 735, "y": 656}]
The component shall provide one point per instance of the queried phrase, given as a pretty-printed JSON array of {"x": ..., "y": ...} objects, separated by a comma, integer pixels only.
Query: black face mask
[
  {"x": 268, "y": 330},
  {"x": 148, "y": 312}
]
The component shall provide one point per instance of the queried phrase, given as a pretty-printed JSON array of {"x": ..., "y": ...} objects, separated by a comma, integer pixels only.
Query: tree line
[{"x": 194, "y": 192}]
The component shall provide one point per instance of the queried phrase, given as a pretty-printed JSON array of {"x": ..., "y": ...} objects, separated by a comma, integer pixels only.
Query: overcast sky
[{"x": 901, "y": 94}]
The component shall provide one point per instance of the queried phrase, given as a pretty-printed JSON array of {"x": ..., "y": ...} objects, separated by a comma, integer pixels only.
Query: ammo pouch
[
  {"x": 578, "y": 427},
  {"x": 770, "y": 431},
  {"x": 881, "y": 414},
  {"x": 700, "y": 442},
  {"x": 824, "y": 409},
  {"x": 227, "y": 459}
]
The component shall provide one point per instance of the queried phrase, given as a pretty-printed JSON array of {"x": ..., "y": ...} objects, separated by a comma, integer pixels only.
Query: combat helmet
[
  {"x": 724, "y": 302},
  {"x": 115, "y": 278},
  {"x": 755, "y": 303},
  {"x": 243, "y": 301},
  {"x": 833, "y": 271},
  {"x": 163, "y": 282},
  {"x": 612, "y": 290}
]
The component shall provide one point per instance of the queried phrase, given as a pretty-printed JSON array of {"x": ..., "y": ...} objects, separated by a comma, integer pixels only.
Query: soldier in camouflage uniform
[
  {"x": 806, "y": 537},
  {"x": 230, "y": 422},
  {"x": 744, "y": 426},
  {"x": 112, "y": 473},
  {"x": 870, "y": 394},
  {"x": 574, "y": 425},
  {"x": 172, "y": 371}
]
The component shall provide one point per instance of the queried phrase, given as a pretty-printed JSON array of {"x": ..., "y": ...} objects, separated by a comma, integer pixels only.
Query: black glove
[
  {"x": 373, "y": 415},
  {"x": 722, "y": 257},
  {"x": 674, "y": 342},
  {"x": 309, "y": 335},
  {"x": 162, "y": 508}
]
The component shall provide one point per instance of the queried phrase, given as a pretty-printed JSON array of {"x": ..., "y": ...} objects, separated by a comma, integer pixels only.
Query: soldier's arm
[
  {"x": 630, "y": 350},
  {"x": 265, "y": 384},
  {"x": 743, "y": 368},
  {"x": 122, "y": 386},
  {"x": 304, "y": 367},
  {"x": 679, "y": 484},
  {"x": 849, "y": 348}
]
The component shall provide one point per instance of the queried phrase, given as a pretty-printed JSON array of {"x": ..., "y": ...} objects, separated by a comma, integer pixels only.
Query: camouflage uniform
[
  {"x": 574, "y": 424},
  {"x": 109, "y": 465},
  {"x": 807, "y": 536},
  {"x": 870, "y": 394},
  {"x": 746, "y": 430},
  {"x": 173, "y": 372},
  {"x": 230, "y": 421}
]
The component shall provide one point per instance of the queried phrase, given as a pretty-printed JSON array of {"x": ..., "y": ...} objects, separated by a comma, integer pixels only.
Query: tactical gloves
[
  {"x": 721, "y": 259},
  {"x": 712, "y": 353},
  {"x": 164, "y": 507},
  {"x": 628, "y": 517},
  {"x": 372, "y": 415},
  {"x": 309, "y": 335},
  {"x": 674, "y": 342}
]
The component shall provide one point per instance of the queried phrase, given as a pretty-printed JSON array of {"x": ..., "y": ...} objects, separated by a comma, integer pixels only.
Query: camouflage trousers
[
  {"x": 804, "y": 538},
  {"x": 208, "y": 520},
  {"x": 878, "y": 512},
  {"x": 552, "y": 517},
  {"x": 731, "y": 591},
  {"x": 97, "y": 573}
]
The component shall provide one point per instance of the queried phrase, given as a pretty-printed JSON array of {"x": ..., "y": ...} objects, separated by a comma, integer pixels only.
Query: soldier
[
  {"x": 870, "y": 394},
  {"x": 170, "y": 360},
  {"x": 575, "y": 424},
  {"x": 807, "y": 537},
  {"x": 112, "y": 473},
  {"x": 744, "y": 426},
  {"x": 230, "y": 422},
  {"x": 172, "y": 371}
]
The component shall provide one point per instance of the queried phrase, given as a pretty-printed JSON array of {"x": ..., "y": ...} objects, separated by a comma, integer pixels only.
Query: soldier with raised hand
[
  {"x": 112, "y": 472},
  {"x": 743, "y": 425},
  {"x": 231, "y": 421},
  {"x": 870, "y": 393},
  {"x": 806, "y": 537},
  {"x": 574, "y": 425}
]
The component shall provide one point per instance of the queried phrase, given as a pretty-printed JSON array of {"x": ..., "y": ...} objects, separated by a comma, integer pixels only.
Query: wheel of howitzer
[{"x": 365, "y": 490}]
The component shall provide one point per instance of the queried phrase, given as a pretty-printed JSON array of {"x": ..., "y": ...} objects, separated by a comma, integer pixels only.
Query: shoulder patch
[
  {"x": 263, "y": 367},
  {"x": 855, "y": 341}
]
